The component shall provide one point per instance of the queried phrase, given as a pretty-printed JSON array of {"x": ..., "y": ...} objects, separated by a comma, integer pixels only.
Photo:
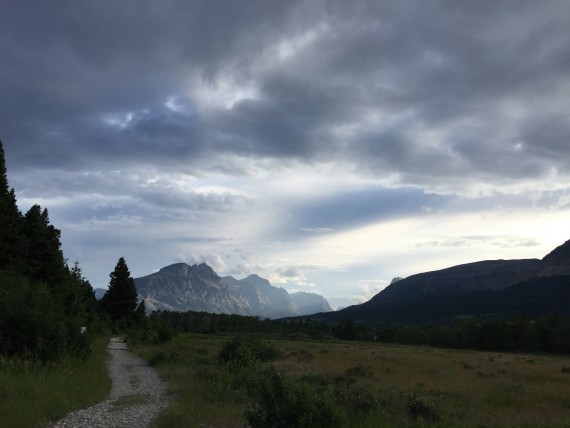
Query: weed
[{"x": 163, "y": 358}]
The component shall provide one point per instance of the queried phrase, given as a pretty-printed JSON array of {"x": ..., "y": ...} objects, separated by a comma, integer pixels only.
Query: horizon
[
  {"x": 309, "y": 291},
  {"x": 326, "y": 146}
]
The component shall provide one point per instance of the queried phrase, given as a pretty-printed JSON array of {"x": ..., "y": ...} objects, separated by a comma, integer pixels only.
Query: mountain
[
  {"x": 483, "y": 275},
  {"x": 310, "y": 303},
  {"x": 99, "y": 293},
  {"x": 180, "y": 287},
  {"x": 269, "y": 301},
  {"x": 264, "y": 299},
  {"x": 487, "y": 288},
  {"x": 557, "y": 262}
]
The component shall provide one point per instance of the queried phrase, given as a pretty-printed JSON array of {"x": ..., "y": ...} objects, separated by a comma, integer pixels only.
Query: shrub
[
  {"x": 244, "y": 351},
  {"x": 420, "y": 408},
  {"x": 279, "y": 401}
]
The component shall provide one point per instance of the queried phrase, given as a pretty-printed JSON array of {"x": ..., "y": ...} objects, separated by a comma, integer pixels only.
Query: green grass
[
  {"x": 407, "y": 386},
  {"x": 32, "y": 395}
]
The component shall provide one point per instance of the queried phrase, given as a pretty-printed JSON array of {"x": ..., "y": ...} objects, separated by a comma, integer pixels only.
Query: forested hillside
[{"x": 44, "y": 302}]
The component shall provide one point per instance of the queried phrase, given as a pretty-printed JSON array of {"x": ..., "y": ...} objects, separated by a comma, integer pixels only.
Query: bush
[
  {"x": 420, "y": 408},
  {"x": 279, "y": 401},
  {"x": 32, "y": 322},
  {"x": 244, "y": 351}
]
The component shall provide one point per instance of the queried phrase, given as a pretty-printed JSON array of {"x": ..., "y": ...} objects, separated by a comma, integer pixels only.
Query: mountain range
[
  {"x": 181, "y": 287},
  {"x": 490, "y": 288}
]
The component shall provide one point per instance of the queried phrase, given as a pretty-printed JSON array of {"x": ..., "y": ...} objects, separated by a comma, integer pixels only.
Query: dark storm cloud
[{"x": 424, "y": 91}]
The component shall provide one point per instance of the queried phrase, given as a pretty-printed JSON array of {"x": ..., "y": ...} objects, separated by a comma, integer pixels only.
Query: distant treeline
[{"x": 550, "y": 334}]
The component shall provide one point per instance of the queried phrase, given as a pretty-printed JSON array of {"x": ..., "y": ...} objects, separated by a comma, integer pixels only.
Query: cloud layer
[{"x": 232, "y": 131}]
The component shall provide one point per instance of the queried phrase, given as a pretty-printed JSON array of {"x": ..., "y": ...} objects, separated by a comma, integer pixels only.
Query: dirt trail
[{"x": 137, "y": 395}]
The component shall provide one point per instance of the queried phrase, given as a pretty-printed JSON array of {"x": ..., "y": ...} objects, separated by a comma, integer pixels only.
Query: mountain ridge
[
  {"x": 485, "y": 288},
  {"x": 182, "y": 287}
]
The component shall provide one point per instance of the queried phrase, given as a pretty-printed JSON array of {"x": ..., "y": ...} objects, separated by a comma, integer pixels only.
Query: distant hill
[
  {"x": 99, "y": 293},
  {"x": 486, "y": 289},
  {"x": 181, "y": 287}
]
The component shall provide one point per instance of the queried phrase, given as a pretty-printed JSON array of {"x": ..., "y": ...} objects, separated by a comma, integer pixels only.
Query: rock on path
[{"x": 137, "y": 395}]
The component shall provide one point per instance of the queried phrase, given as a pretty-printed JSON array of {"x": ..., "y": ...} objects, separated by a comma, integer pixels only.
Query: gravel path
[{"x": 137, "y": 396}]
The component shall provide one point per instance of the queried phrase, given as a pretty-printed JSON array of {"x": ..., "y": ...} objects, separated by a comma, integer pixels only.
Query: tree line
[
  {"x": 47, "y": 307},
  {"x": 548, "y": 334}
]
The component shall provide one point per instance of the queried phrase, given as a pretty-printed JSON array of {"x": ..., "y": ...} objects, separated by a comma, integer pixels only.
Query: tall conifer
[
  {"x": 12, "y": 242},
  {"x": 120, "y": 300},
  {"x": 44, "y": 257}
]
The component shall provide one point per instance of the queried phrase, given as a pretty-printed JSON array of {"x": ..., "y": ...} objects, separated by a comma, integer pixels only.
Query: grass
[
  {"x": 409, "y": 386},
  {"x": 32, "y": 395}
]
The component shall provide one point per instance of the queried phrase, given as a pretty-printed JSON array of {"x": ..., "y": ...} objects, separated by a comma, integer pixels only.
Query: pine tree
[
  {"x": 44, "y": 257},
  {"x": 12, "y": 242},
  {"x": 120, "y": 300}
]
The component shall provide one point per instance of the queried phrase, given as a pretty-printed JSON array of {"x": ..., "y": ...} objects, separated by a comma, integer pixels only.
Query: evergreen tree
[
  {"x": 12, "y": 242},
  {"x": 44, "y": 257},
  {"x": 120, "y": 300}
]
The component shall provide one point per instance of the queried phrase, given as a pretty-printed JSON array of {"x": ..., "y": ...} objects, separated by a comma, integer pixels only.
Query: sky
[{"x": 327, "y": 146}]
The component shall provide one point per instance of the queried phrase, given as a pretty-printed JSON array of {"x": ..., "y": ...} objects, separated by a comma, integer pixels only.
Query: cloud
[{"x": 271, "y": 127}]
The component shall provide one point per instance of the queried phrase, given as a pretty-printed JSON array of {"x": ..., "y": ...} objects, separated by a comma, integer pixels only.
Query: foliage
[
  {"x": 350, "y": 330},
  {"x": 44, "y": 258},
  {"x": 280, "y": 401},
  {"x": 37, "y": 322}
]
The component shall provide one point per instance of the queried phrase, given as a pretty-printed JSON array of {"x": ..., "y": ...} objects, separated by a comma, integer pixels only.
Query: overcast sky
[{"x": 328, "y": 146}]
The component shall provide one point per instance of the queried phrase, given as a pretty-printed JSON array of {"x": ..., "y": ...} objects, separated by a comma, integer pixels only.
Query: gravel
[{"x": 137, "y": 395}]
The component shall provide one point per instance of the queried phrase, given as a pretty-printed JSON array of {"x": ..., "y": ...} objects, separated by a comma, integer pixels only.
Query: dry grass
[{"x": 463, "y": 388}]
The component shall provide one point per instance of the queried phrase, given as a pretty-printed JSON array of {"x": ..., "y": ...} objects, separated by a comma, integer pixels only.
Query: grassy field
[
  {"x": 379, "y": 385},
  {"x": 33, "y": 395}
]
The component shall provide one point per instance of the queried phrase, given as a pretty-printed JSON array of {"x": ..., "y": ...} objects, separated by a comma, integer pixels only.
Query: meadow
[
  {"x": 33, "y": 394},
  {"x": 226, "y": 381}
]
